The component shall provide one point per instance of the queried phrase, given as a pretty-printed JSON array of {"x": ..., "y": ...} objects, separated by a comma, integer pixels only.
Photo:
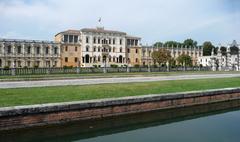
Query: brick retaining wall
[{"x": 37, "y": 115}]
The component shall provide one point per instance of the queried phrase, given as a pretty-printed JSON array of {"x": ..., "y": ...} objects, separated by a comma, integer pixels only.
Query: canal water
[{"x": 219, "y": 122}]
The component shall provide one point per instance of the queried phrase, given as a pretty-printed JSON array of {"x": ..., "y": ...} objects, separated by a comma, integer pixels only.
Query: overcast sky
[{"x": 153, "y": 20}]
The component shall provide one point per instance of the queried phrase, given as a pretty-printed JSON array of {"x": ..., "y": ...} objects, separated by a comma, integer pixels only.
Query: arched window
[
  {"x": 87, "y": 58},
  {"x": 120, "y": 59},
  {"x": 136, "y": 60},
  {"x": 38, "y": 50},
  {"x": 47, "y": 50},
  {"x": 87, "y": 48},
  {"x": 55, "y": 50},
  {"x": 19, "y": 49},
  {"x": 9, "y": 49},
  {"x": 120, "y": 50},
  {"x": 87, "y": 39},
  {"x": 29, "y": 50},
  {"x": 110, "y": 59},
  {"x": 104, "y": 58}
]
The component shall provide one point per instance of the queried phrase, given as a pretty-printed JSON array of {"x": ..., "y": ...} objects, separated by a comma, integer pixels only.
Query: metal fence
[{"x": 75, "y": 70}]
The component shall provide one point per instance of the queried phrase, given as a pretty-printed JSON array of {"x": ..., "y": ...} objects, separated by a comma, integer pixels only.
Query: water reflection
[{"x": 156, "y": 125}]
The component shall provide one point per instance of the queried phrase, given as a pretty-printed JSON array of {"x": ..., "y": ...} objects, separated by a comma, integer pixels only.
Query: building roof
[
  {"x": 132, "y": 37},
  {"x": 102, "y": 30},
  {"x": 27, "y": 41},
  {"x": 69, "y": 32}
]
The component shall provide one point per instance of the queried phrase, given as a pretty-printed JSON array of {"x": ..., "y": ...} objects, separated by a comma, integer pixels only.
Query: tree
[
  {"x": 162, "y": 56},
  {"x": 190, "y": 43},
  {"x": 172, "y": 62},
  {"x": 172, "y": 44},
  {"x": 207, "y": 48},
  {"x": 184, "y": 59},
  {"x": 224, "y": 50},
  {"x": 234, "y": 50},
  {"x": 158, "y": 44}
]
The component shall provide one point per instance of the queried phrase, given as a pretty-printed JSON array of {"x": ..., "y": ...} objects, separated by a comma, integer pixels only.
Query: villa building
[
  {"x": 97, "y": 47},
  {"x": 193, "y": 52},
  {"x": 29, "y": 53},
  {"x": 230, "y": 60},
  {"x": 86, "y": 47}
]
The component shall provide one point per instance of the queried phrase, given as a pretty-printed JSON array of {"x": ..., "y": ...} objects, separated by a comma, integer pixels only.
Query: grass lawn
[
  {"x": 27, "y": 96},
  {"x": 102, "y": 75}
]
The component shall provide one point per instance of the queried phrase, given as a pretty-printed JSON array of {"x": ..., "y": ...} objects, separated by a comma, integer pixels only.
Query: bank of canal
[{"x": 217, "y": 122}]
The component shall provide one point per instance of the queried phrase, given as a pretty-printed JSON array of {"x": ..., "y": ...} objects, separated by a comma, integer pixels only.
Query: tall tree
[
  {"x": 184, "y": 59},
  {"x": 190, "y": 43},
  {"x": 161, "y": 56},
  {"x": 234, "y": 50},
  {"x": 224, "y": 50},
  {"x": 172, "y": 44},
  {"x": 158, "y": 44},
  {"x": 207, "y": 48}
]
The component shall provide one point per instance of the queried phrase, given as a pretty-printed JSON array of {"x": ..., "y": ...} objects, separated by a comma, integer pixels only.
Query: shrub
[
  {"x": 6, "y": 67},
  {"x": 136, "y": 66},
  {"x": 113, "y": 66}
]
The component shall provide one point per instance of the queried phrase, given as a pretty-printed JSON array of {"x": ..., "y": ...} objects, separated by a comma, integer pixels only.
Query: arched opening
[
  {"x": 104, "y": 58},
  {"x": 56, "y": 50},
  {"x": 87, "y": 59},
  {"x": 120, "y": 59},
  {"x": 9, "y": 49},
  {"x": 46, "y": 50}
]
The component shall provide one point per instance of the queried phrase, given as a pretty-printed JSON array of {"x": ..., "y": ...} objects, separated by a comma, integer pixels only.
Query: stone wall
[{"x": 37, "y": 115}]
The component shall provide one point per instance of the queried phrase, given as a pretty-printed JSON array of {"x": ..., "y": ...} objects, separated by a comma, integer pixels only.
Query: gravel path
[{"x": 43, "y": 83}]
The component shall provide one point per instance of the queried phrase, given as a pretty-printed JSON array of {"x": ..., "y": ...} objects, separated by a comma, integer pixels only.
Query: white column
[
  {"x": 23, "y": 49},
  {"x": 13, "y": 48},
  {"x": 2, "y": 49}
]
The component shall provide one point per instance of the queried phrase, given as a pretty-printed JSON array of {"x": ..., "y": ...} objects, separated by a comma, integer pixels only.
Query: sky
[{"x": 217, "y": 21}]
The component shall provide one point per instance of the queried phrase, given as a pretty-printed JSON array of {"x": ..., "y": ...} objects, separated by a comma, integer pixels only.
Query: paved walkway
[{"x": 25, "y": 84}]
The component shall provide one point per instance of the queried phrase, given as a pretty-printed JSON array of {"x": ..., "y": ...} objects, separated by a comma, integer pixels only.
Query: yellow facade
[{"x": 134, "y": 55}]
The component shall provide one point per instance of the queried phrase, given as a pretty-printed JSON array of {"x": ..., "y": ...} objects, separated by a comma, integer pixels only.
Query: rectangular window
[
  {"x": 86, "y": 39},
  {"x": 120, "y": 41},
  {"x": 136, "y": 51},
  {"x": 76, "y": 59},
  {"x": 94, "y": 40},
  {"x": 113, "y": 41},
  {"x": 75, "y": 39},
  {"x": 76, "y": 48},
  {"x": 19, "y": 49},
  {"x": 66, "y": 59},
  {"x": 55, "y": 50},
  {"x": 29, "y": 50},
  {"x": 99, "y": 40},
  {"x": 128, "y": 50},
  {"x": 70, "y": 38},
  {"x": 47, "y": 51},
  {"x": 65, "y": 38},
  {"x": 66, "y": 48},
  {"x": 38, "y": 50},
  {"x": 9, "y": 49},
  {"x": 136, "y": 42}
]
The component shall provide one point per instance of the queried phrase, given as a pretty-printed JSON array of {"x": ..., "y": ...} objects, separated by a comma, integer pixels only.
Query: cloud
[{"x": 153, "y": 20}]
